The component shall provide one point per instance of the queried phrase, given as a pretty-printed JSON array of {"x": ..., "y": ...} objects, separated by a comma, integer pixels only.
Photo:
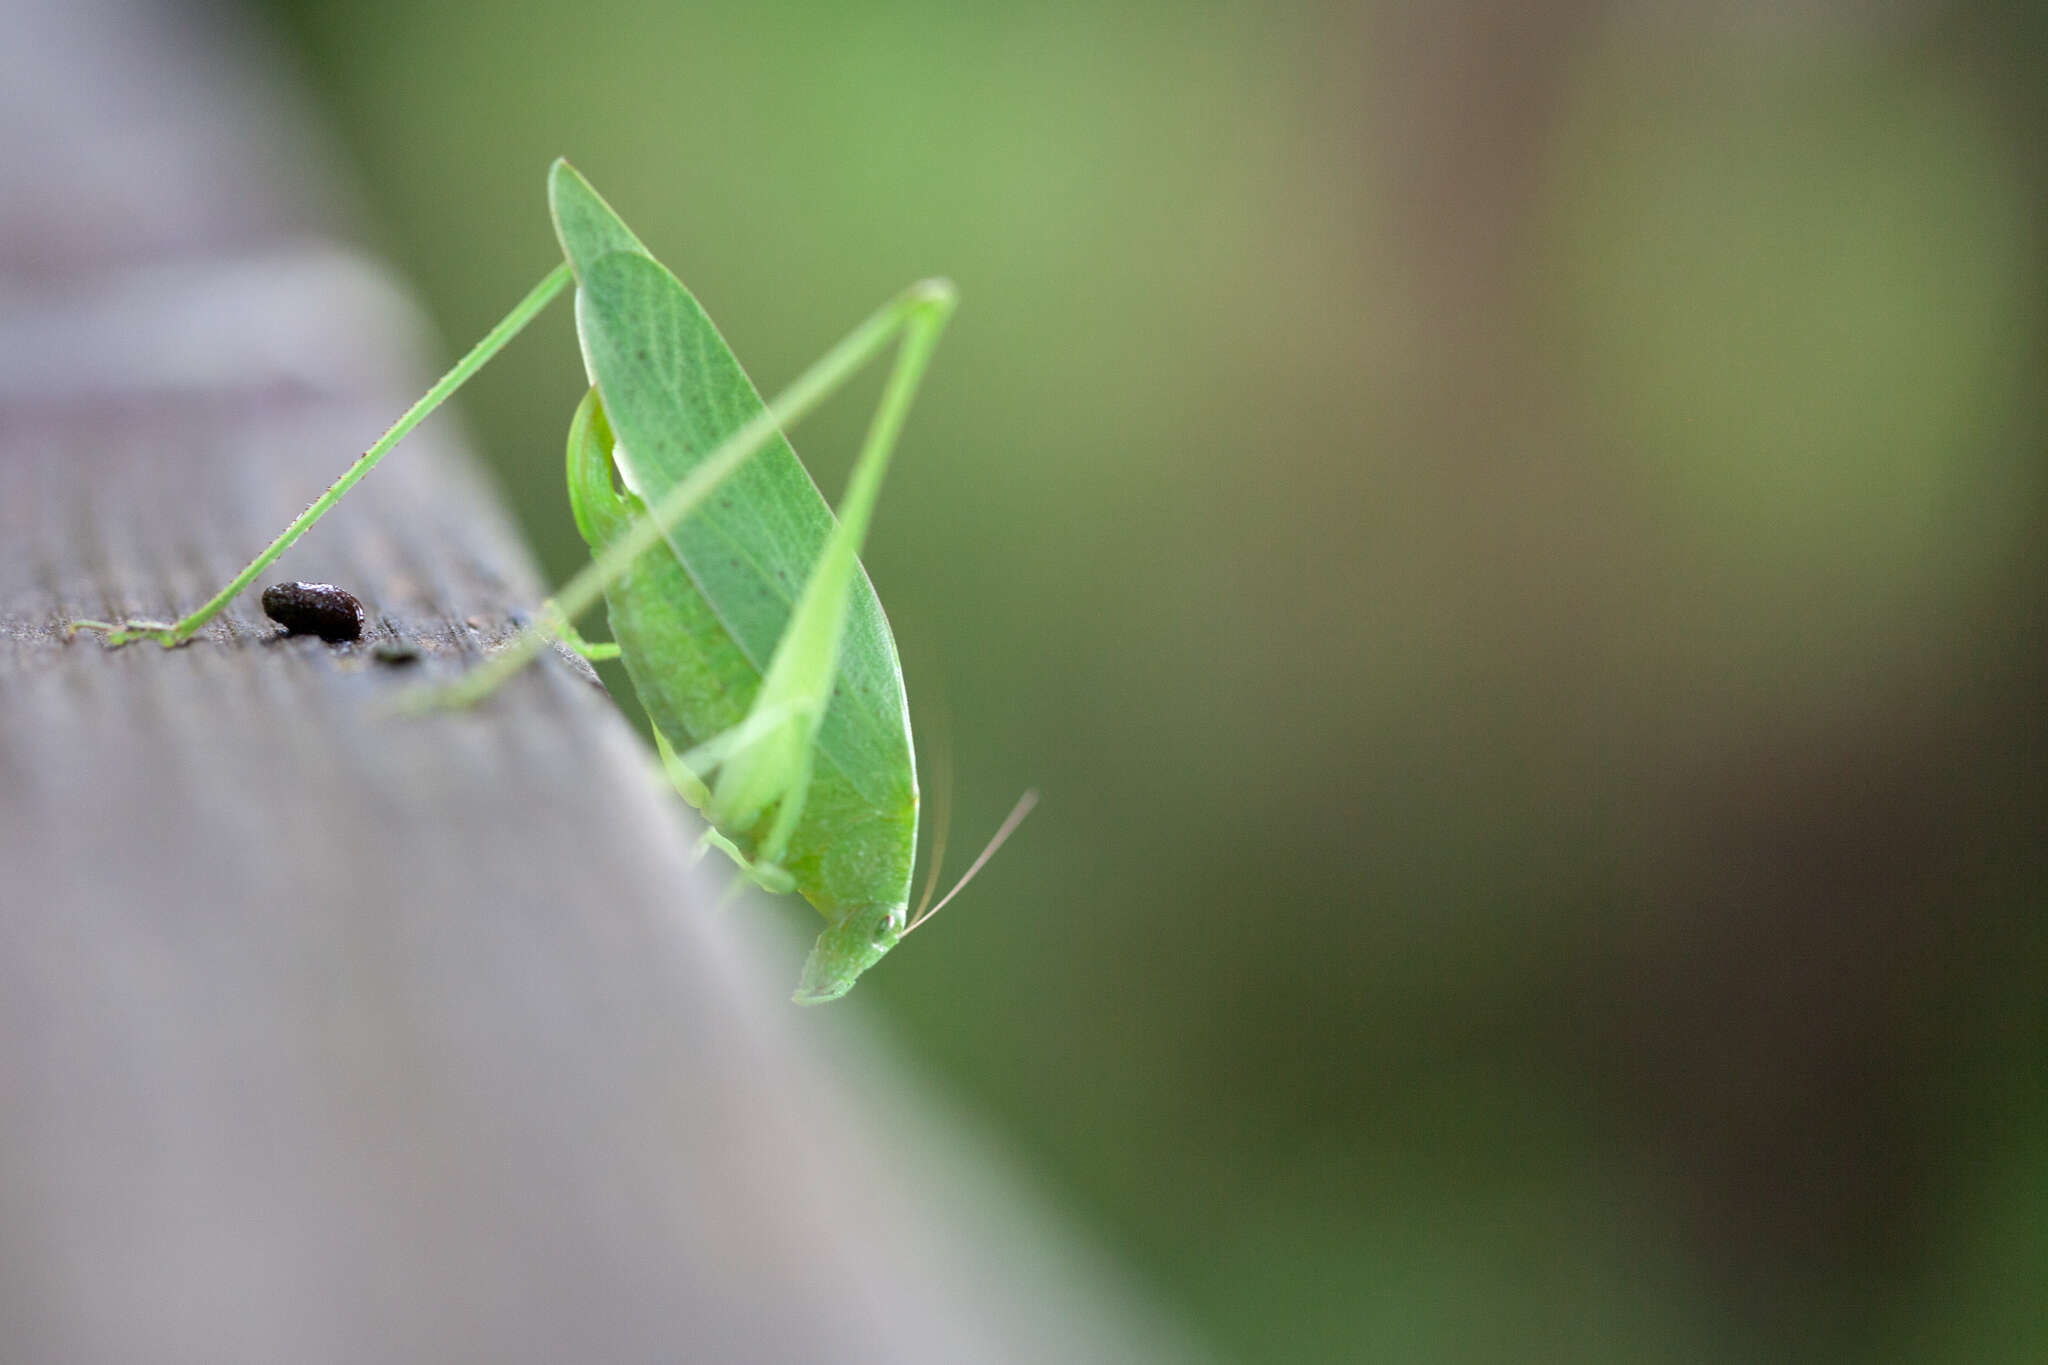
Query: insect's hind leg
[
  {"x": 170, "y": 633},
  {"x": 918, "y": 315},
  {"x": 796, "y": 686}
]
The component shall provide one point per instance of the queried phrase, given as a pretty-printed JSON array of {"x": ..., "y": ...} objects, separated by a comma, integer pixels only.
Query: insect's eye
[{"x": 885, "y": 929}]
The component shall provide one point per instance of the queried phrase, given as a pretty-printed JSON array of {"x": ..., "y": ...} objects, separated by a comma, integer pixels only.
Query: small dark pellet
[
  {"x": 396, "y": 653},
  {"x": 319, "y": 609}
]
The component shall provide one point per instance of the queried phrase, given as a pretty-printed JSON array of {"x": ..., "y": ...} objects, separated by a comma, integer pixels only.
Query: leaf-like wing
[{"x": 672, "y": 391}]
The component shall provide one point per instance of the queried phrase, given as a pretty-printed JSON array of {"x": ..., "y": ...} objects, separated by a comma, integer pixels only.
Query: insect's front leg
[{"x": 683, "y": 777}]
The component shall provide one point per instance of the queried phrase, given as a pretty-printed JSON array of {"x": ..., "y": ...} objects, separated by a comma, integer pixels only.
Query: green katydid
[{"x": 736, "y": 601}]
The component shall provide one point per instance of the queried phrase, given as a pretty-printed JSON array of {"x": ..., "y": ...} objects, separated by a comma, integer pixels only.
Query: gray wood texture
[{"x": 332, "y": 1036}]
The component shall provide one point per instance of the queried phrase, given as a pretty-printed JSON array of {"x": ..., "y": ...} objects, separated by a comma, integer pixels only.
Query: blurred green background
[{"x": 1510, "y": 538}]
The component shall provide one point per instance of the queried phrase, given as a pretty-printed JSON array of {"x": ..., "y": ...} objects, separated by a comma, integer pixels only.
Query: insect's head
[
  {"x": 858, "y": 941},
  {"x": 846, "y": 950}
]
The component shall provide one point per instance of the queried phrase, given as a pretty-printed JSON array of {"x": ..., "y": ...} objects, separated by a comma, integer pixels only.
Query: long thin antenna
[
  {"x": 942, "y": 791},
  {"x": 1003, "y": 831},
  {"x": 942, "y": 821}
]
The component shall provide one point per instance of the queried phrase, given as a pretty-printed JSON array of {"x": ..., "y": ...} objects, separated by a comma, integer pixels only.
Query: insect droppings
[{"x": 319, "y": 609}]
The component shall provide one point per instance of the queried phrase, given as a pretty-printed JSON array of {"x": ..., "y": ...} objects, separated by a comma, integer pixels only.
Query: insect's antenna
[
  {"x": 1003, "y": 831},
  {"x": 942, "y": 791},
  {"x": 942, "y": 820}
]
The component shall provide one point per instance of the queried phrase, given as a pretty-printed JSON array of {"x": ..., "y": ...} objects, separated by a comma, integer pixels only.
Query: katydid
[{"x": 736, "y": 601}]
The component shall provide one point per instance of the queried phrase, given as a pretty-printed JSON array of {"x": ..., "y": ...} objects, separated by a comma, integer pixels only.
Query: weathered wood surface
[{"x": 326, "y": 1035}]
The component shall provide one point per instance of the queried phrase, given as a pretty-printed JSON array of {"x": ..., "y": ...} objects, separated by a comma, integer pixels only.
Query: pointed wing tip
[
  {"x": 560, "y": 174},
  {"x": 586, "y": 226}
]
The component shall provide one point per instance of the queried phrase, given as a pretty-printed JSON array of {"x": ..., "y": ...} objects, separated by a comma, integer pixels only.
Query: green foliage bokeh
[{"x": 1435, "y": 623}]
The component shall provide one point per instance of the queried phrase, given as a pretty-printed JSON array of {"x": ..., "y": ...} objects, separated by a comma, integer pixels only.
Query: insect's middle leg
[
  {"x": 682, "y": 775},
  {"x": 567, "y": 635}
]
